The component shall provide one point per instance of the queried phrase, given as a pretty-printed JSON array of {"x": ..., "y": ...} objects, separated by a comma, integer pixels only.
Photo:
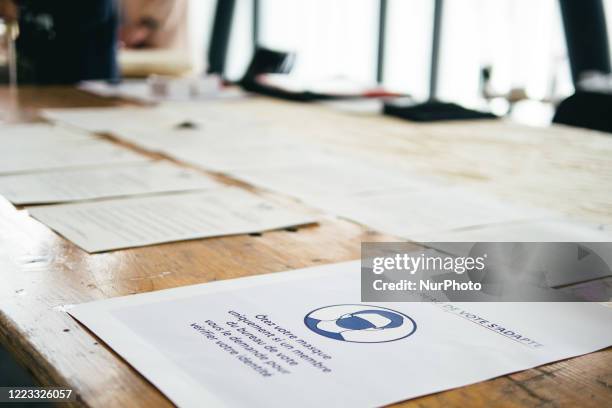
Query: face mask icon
[{"x": 360, "y": 323}]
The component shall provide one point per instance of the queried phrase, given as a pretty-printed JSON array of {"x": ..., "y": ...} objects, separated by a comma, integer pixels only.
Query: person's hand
[
  {"x": 8, "y": 10},
  {"x": 135, "y": 36}
]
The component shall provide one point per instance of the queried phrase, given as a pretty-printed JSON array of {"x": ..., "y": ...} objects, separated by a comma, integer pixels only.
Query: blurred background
[
  {"x": 505, "y": 56},
  {"x": 519, "y": 42}
]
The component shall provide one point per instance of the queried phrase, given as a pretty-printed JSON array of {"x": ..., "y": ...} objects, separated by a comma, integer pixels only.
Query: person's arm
[
  {"x": 159, "y": 12},
  {"x": 155, "y": 15},
  {"x": 8, "y": 10}
]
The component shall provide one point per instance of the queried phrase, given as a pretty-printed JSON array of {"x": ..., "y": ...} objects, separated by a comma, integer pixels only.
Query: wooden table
[{"x": 569, "y": 170}]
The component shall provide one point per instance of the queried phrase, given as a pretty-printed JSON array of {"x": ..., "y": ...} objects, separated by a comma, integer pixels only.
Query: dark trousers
[{"x": 66, "y": 41}]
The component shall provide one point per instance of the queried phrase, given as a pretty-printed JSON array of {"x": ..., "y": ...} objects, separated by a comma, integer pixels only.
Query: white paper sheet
[
  {"x": 67, "y": 155},
  {"x": 133, "y": 222},
  {"x": 138, "y": 90},
  {"x": 541, "y": 230},
  {"x": 175, "y": 89},
  {"x": 213, "y": 139},
  {"x": 594, "y": 238},
  {"x": 107, "y": 119},
  {"x": 36, "y": 136},
  {"x": 234, "y": 158},
  {"x": 412, "y": 213},
  {"x": 335, "y": 177},
  {"x": 245, "y": 342},
  {"x": 148, "y": 119},
  {"x": 204, "y": 136},
  {"x": 19, "y": 139},
  {"x": 116, "y": 181}
]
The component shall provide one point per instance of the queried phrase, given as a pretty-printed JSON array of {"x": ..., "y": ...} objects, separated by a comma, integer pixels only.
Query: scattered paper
[
  {"x": 230, "y": 159},
  {"x": 538, "y": 230},
  {"x": 303, "y": 339},
  {"x": 170, "y": 115},
  {"x": 38, "y": 129},
  {"x": 86, "y": 184},
  {"x": 334, "y": 177},
  {"x": 67, "y": 155},
  {"x": 594, "y": 248},
  {"x": 134, "y": 222},
  {"x": 411, "y": 213},
  {"x": 189, "y": 138},
  {"x": 36, "y": 136},
  {"x": 103, "y": 120}
]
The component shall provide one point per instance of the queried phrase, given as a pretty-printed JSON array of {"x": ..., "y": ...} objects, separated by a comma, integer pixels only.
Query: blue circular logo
[{"x": 360, "y": 323}]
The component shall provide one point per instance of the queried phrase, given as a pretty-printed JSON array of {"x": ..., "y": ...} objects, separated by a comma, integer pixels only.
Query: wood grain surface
[{"x": 41, "y": 273}]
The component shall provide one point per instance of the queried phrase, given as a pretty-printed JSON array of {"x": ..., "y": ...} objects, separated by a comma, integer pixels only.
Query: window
[
  {"x": 521, "y": 40},
  {"x": 331, "y": 38},
  {"x": 408, "y": 46},
  {"x": 608, "y": 11}
]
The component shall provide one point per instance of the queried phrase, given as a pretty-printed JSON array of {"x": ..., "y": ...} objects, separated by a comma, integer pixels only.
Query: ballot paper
[
  {"x": 235, "y": 158},
  {"x": 189, "y": 138},
  {"x": 412, "y": 213},
  {"x": 171, "y": 115},
  {"x": 103, "y": 120},
  {"x": 85, "y": 184},
  {"x": 540, "y": 230},
  {"x": 134, "y": 222},
  {"x": 303, "y": 339},
  {"x": 335, "y": 177},
  {"x": 67, "y": 155},
  {"x": 28, "y": 136}
]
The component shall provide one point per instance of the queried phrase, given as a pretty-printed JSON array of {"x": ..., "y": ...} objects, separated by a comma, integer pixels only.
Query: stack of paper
[
  {"x": 168, "y": 88},
  {"x": 90, "y": 183},
  {"x": 133, "y": 222}
]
